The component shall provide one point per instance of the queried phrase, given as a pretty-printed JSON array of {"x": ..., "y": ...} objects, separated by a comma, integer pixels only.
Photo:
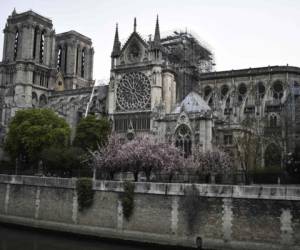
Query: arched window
[
  {"x": 34, "y": 100},
  {"x": 42, "y": 47},
  {"x": 41, "y": 78},
  {"x": 76, "y": 63},
  {"x": 16, "y": 45},
  {"x": 82, "y": 63},
  {"x": 34, "y": 42},
  {"x": 183, "y": 139},
  {"x": 272, "y": 156},
  {"x": 33, "y": 77},
  {"x": 207, "y": 91},
  {"x": 224, "y": 91},
  {"x": 59, "y": 54},
  {"x": 273, "y": 121},
  {"x": 242, "y": 90},
  {"x": 261, "y": 90},
  {"x": 66, "y": 58},
  {"x": 277, "y": 90},
  {"x": 43, "y": 100}
]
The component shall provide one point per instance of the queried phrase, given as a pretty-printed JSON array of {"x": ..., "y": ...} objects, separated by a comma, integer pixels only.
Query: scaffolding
[
  {"x": 182, "y": 49},
  {"x": 188, "y": 58}
]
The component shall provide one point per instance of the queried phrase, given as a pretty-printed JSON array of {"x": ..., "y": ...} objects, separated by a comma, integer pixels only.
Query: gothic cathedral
[{"x": 162, "y": 86}]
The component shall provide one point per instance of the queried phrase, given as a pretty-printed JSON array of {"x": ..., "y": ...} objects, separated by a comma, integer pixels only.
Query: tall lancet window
[
  {"x": 42, "y": 47},
  {"x": 76, "y": 63},
  {"x": 66, "y": 58},
  {"x": 16, "y": 45},
  {"x": 82, "y": 63},
  {"x": 183, "y": 139},
  {"x": 34, "y": 42},
  {"x": 59, "y": 54}
]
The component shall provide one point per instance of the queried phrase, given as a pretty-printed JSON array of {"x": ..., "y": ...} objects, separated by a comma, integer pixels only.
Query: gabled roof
[
  {"x": 132, "y": 36},
  {"x": 192, "y": 103}
]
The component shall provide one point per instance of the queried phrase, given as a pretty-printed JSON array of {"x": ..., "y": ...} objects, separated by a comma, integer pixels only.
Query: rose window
[{"x": 134, "y": 92}]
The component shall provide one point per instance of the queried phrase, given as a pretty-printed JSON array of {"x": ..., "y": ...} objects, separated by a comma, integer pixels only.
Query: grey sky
[{"x": 241, "y": 34}]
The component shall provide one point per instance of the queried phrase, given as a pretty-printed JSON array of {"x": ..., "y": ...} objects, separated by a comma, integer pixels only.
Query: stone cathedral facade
[
  {"x": 163, "y": 86},
  {"x": 144, "y": 96},
  {"x": 167, "y": 87},
  {"x": 40, "y": 68}
]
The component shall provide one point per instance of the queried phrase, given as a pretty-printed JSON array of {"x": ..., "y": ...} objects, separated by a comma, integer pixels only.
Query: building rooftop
[
  {"x": 249, "y": 71},
  {"x": 73, "y": 33},
  {"x": 192, "y": 103},
  {"x": 16, "y": 17}
]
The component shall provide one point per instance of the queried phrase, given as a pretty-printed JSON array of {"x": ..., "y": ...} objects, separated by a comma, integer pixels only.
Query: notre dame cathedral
[{"x": 164, "y": 86}]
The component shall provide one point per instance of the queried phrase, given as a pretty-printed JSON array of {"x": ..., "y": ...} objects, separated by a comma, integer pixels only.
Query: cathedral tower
[
  {"x": 74, "y": 60},
  {"x": 36, "y": 62},
  {"x": 140, "y": 85},
  {"x": 28, "y": 62}
]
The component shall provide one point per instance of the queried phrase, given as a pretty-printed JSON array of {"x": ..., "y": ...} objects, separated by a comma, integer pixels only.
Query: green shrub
[
  {"x": 6, "y": 164},
  {"x": 85, "y": 193},
  {"x": 128, "y": 199}
]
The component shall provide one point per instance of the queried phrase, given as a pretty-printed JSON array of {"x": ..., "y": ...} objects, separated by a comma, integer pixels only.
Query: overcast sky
[{"x": 242, "y": 34}]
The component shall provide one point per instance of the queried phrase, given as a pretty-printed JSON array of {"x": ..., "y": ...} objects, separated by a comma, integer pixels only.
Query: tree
[
  {"x": 249, "y": 144},
  {"x": 32, "y": 130},
  {"x": 140, "y": 154},
  {"x": 148, "y": 155},
  {"x": 208, "y": 163},
  {"x": 106, "y": 158},
  {"x": 214, "y": 161},
  {"x": 91, "y": 132},
  {"x": 63, "y": 161}
]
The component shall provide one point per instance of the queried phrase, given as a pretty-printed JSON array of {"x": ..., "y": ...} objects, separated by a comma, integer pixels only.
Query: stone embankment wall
[{"x": 228, "y": 217}]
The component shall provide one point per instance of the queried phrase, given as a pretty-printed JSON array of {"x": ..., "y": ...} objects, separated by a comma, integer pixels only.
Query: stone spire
[
  {"x": 14, "y": 12},
  {"x": 134, "y": 25},
  {"x": 157, "y": 32},
  {"x": 117, "y": 44}
]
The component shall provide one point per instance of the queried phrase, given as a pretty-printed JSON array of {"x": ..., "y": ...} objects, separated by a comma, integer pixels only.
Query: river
[{"x": 24, "y": 239}]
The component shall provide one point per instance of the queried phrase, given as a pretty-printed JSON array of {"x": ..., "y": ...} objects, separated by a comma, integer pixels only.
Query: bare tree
[{"x": 249, "y": 144}]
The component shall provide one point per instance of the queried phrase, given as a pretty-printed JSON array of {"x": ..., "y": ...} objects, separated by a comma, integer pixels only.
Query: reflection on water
[{"x": 21, "y": 239}]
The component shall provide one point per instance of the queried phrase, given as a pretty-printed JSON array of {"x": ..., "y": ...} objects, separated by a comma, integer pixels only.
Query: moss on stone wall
[
  {"x": 85, "y": 193},
  {"x": 128, "y": 199}
]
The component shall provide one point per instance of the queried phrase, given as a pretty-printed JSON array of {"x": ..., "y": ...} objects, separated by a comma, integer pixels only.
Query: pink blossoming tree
[
  {"x": 211, "y": 162},
  {"x": 146, "y": 154}
]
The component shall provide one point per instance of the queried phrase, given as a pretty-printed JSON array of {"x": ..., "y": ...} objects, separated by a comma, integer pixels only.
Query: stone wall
[{"x": 228, "y": 217}]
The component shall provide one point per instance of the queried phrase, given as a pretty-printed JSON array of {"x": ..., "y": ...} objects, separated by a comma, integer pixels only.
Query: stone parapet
[
  {"x": 250, "y": 71},
  {"x": 267, "y": 192}
]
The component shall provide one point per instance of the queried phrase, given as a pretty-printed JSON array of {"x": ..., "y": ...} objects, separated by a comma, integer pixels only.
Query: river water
[{"x": 22, "y": 239}]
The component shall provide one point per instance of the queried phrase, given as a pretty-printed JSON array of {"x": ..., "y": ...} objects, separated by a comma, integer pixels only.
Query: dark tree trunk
[
  {"x": 148, "y": 174},
  {"x": 136, "y": 175},
  {"x": 111, "y": 175}
]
